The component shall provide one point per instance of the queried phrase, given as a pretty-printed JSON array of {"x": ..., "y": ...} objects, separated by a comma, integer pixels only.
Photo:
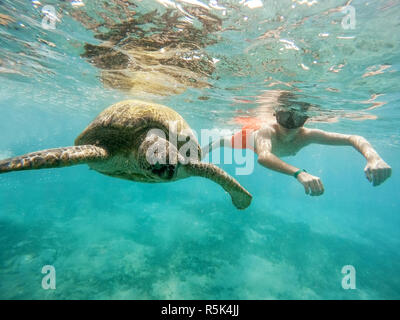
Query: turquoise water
[{"x": 115, "y": 239}]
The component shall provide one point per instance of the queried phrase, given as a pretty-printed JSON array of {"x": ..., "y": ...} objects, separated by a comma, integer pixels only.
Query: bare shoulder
[
  {"x": 263, "y": 139},
  {"x": 309, "y": 133},
  {"x": 266, "y": 131}
]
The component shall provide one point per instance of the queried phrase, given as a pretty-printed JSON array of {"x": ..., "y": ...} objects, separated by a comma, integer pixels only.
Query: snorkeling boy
[{"x": 286, "y": 136}]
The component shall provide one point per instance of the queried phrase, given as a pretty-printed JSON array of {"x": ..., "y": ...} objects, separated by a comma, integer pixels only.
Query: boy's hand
[
  {"x": 377, "y": 171},
  {"x": 312, "y": 185}
]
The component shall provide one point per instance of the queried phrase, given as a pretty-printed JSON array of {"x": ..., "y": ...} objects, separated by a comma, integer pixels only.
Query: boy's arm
[
  {"x": 312, "y": 184},
  {"x": 376, "y": 170}
]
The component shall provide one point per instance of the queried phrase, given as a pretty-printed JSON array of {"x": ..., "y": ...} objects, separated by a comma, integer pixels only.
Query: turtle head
[{"x": 159, "y": 159}]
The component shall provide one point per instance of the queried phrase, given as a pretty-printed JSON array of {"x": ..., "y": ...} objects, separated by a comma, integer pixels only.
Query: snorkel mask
[{"x": 291, "y": 118}]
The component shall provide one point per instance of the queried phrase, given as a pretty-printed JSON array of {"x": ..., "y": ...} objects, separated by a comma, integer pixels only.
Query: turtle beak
[{"x": 181, "y": 171}]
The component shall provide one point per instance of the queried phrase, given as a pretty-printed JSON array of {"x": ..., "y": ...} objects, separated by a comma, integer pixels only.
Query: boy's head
[
  {"x": 290, "y": 113},
  {"x": 290, "y": 118}
]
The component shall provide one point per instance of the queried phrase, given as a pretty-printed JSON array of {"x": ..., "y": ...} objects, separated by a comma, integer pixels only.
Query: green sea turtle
[{"x": 137, "y": 141}]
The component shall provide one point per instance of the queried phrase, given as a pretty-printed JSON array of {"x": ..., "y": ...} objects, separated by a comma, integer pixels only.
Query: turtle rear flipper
[{"x": 54, "y": 158}]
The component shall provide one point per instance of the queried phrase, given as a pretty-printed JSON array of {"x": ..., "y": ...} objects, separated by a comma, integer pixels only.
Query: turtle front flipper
[
  {"x": 54, "y": 158},
  {"x": 241, "y": 198}
]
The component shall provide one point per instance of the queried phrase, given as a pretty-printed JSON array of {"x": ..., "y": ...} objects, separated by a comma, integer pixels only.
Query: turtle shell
[{"x": 121, "y": 127}]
